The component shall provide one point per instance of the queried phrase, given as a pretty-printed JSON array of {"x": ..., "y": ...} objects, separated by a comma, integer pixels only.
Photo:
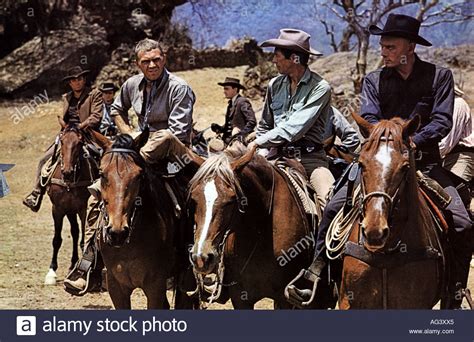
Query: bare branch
[{"x": 451, "y": 20}]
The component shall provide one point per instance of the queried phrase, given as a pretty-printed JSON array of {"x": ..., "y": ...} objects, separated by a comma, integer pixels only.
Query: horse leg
[
  {"x": 240, "y": 299},
  {"x": 120, "y": 295},
  {"x": 156, "y": 295},
  {"x": 75, "y": 238},
  {"x": 50, "y": 278}
]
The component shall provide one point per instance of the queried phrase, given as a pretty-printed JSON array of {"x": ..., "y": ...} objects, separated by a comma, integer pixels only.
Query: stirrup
[
  {"x": 33, "y": 200},
  {"x": 293, "y": 294},
  {"x": 76, "y": 274}
]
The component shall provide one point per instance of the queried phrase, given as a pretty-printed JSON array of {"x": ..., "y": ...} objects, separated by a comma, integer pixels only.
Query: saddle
[{"x": 302, "y": 190}]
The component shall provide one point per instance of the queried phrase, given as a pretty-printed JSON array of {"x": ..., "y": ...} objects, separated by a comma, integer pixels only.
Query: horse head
[
  {"x": 386, "y": 162},
  {"x": 217, "y": 199},
  {"x": 122, "y": 173},
  {"x": 72, "y": 142}
]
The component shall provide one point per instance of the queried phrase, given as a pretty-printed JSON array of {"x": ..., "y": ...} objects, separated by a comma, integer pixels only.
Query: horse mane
[
  {"x": 219, "y": 165},
  {"x": 384, "y": 131}
]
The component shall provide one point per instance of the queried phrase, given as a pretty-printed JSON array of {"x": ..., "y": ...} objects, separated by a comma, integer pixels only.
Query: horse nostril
[
  {"x": 385, "y": 232},
  {"x": 210, "y": 258}
]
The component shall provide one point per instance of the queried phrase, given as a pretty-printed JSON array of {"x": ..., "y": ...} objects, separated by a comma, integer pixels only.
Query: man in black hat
[
  {"x": 240, "y": 117},
  {"x": 404, "y": 87},
  {"x": 81, "y": 104},
  {"x": 107, "y": 125}
]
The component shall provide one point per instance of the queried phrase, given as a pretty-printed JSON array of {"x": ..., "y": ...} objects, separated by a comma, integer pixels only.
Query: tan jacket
[{"x": 90, "y": 106}]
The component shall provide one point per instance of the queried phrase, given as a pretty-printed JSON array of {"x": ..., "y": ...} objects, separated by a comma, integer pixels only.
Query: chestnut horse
[
  {"x": 139, "y": 231},
  {"x": 393, "y": 258},
  {"x": 68, "y": 192},
  {"x": 249, "y": 228}
]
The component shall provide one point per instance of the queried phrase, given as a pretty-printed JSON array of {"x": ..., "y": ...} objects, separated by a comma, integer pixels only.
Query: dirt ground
[{"x": 25, "y": 237}]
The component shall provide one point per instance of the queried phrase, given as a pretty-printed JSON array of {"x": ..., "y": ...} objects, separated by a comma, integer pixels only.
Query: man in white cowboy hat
[
  {"x": 297, "y": 107},
  {"x": 81, "y": 104},
  {"x": 239, "y": 117},
  {"x": 107, "y": 125},
  {"x": 406, "y": 86}
]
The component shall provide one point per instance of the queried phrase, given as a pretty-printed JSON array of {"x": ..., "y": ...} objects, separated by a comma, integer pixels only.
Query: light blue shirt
[{"x": 289, "y": 118}]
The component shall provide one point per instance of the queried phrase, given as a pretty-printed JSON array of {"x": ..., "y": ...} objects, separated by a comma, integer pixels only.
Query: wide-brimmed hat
[
  {"x": 108, "y": 86},
  {"x": 230, "y": 81},
  {"x": 292, "y": 39},
  {"x": 399, "y": 25},
  {"x": 75, "y": 72}
]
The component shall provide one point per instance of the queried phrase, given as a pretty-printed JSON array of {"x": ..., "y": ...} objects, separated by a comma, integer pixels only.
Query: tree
[{"x": 360, "y": 14}]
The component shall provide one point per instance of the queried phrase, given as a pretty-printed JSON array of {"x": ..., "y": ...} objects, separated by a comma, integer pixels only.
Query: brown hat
[
  {"x": 292, "y": 39},
  {"x": 75, "y": 72},
  {"x": 400, "y": 25},
  {"x": 230, "y": 81}
]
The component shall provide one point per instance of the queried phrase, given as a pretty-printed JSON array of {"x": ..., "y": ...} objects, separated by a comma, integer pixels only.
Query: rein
[{"x": 132, "y": 222}]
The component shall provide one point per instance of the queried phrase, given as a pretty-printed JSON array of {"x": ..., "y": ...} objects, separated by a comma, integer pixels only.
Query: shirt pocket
[{"x": 277, "y": 108}]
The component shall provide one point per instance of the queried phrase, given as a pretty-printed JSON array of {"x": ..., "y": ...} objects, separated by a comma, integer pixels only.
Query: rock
[{"x": 42, "y": 63}]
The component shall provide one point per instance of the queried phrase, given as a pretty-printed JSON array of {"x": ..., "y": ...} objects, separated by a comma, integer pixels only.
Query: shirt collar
[
  {"x": 305, "y": 79},
  {"x": 160, "y": 81},
  {"x": 235, "y": 98}
]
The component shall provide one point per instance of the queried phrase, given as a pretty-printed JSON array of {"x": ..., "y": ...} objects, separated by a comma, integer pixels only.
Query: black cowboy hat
[
  {"x": 292, "y": 39},
  {"x": 108, "y": 86},
  {"x": 230, "y": 81},
  {"x": 75, "y": 72},
  {"x": 399, "y": 25}
]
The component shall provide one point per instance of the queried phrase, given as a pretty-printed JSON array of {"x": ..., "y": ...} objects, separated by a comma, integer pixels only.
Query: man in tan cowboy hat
[
  {"x": 163, "y": 103},
  {"x": 297, "y": 107},
  {"x": 107, "y": 125},
  {"x": 406, "y": 86},
  {"x": 81, "y": 104},
  {"x": 240, "y": 117}
]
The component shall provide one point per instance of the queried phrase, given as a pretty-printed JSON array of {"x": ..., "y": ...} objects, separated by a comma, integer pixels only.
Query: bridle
[
  {"x": 77, "y": 161},
  {"x": 137, "y": 204}
]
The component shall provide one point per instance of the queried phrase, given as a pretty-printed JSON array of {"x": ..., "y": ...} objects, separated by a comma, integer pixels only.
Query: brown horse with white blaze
[
  {"x": 246, "y": 220},
  {"x": 68, "y": 191},
  {"x": 393, "y": 258}
]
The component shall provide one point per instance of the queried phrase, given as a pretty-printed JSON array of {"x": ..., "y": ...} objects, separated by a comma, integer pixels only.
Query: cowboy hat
[
  {"x": 108, "y": 86},
  {"x": 399, "y": 25},
  {"x": 230, "y": 81},
  {"x": 75, "y": 72},
  {"x": 292, "y": 39}
]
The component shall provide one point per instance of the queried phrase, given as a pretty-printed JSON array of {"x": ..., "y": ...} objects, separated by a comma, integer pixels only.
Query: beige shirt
[{"x": 462, "y": 131}]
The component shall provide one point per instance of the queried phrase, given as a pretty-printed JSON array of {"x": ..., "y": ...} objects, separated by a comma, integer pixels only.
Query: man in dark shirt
[
  {"x": 240, "y": 117},
  {"x": 404, "y": 87}
]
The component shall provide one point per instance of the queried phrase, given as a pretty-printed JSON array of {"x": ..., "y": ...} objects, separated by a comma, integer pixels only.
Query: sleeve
[
  {"x": 345, "y": 131},
  {"x": 249, "y": 115},
  {"x": 95, "y": 114},
  {"x": 460, "y": 120},
  {"x": 300, "y": 121},
  {"x": 122, "y": 103},
  {"x": 266, "y": 122},
  {"x": 180, "y": 120},
  {"x": 441, "y": 120},
  {"x": 370, "y": 107}
]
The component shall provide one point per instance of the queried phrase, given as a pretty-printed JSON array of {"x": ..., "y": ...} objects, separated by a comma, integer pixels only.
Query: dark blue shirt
[{"x": 428, "y": 91}]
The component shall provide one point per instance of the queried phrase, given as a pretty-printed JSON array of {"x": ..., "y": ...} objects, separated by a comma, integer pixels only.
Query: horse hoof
[{"x": 50, "y": 278}]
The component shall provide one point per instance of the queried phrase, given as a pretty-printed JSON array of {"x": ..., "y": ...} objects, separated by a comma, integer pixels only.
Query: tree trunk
[
  {"x": 344, "y": 45},
  {"x": 361, "y": 65}
]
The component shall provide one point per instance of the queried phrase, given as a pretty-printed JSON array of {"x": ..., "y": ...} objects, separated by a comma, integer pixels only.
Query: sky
[{"x": 215, "y": 22}]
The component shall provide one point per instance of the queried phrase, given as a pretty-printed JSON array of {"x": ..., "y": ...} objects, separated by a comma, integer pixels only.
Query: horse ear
[
  {"x": 364, "y": 126},
  {"x": 329, "y": 142},
  {"x": 62, "y": 122},
  {"x": 101, "y": 140},
  {"x": 141, "y": 140},
  {"x": 411, "y": 126},
  {"x": 239, "y": 164}
]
